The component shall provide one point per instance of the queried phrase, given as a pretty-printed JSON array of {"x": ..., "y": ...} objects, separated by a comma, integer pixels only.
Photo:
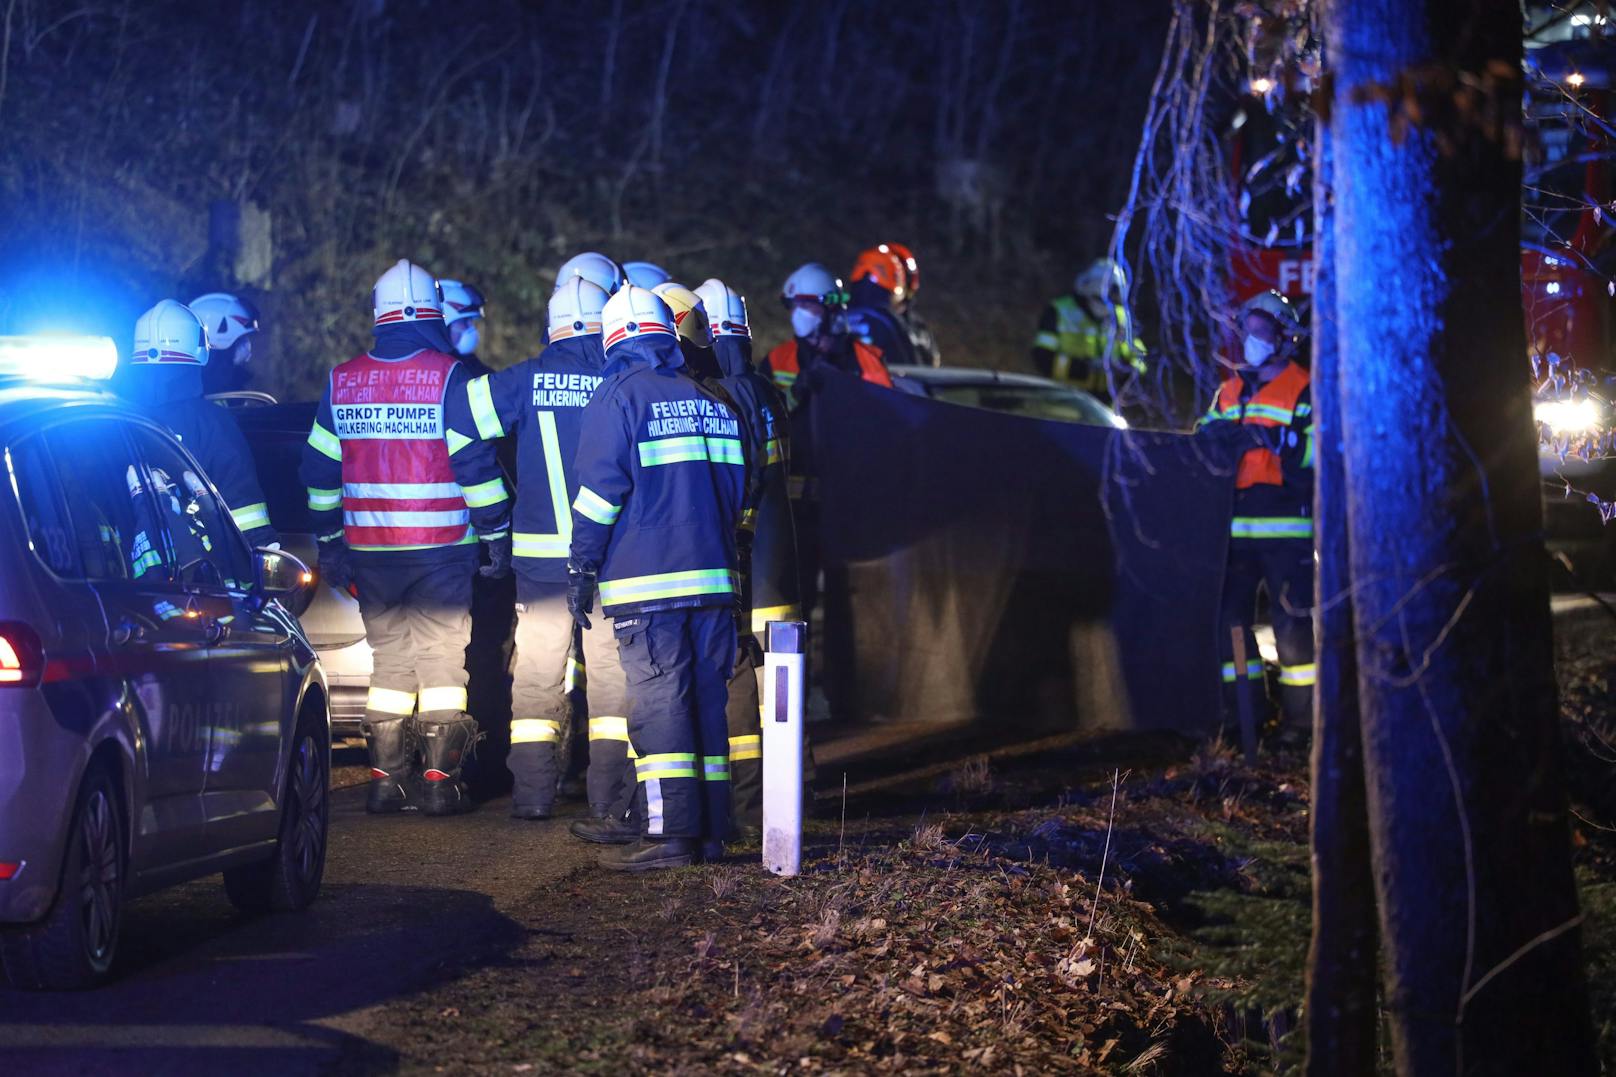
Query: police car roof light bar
[{"x": 58, "y": 358}]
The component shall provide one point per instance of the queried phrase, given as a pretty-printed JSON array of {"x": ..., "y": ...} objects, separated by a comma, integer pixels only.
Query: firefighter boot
[
  {"x": 651, "y": 854},
  {"x": 445, "y": 745},
  {"x": 392, "y": 788},
  {"x": 608, "y": 829}
]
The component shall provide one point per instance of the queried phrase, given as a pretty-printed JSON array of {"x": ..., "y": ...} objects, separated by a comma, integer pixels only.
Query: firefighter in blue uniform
[
  {"x": 164, "y": 380},
  {"x": 661, "y": 477},
  {"x": 772, "y": 575},
  {"x": 540, "y": 403}
]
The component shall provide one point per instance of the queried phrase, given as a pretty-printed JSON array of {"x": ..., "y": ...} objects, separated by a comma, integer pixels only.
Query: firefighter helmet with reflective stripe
[
  {"x": 885, "y": 269},
  {"x": 170, "y": 332},
  {"x": 634, "y": 312},
  {"x": 726, "y": 309},
  {"x": 226, "y": 318},
  {"x": 813, "y": 281},
  {"x": 593, "y": 267},
  {"x": 1276, "y": 307},
  {"x": 1103, "y": 280},
  {"x": 575, "y": 309},
  {"x": 460, "y": 301},
  {"x": 911, "y": 268},
  {"x": 689, "y": 316},
  {"x": 407, "y": 293},
  {"x": 645, "y": 274}
]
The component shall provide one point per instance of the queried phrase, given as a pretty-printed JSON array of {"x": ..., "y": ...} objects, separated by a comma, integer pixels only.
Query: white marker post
[{"x": 783, "y": 670}]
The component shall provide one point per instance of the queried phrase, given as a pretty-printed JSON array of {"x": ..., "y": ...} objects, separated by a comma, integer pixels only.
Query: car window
[
  {"x": 44, "y": 513},
  {"x": 113, "y": 523},
  {"x": 198, "y": 526},
  {"x": 1035, "y": 402}
]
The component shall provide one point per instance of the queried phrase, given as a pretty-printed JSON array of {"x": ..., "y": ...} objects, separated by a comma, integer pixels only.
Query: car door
[
  {"x": 249, "y": 649},
  {"x": 155, "y": 650}
]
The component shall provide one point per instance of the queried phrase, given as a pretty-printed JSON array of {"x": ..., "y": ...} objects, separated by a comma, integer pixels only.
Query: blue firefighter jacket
[
  {"x": 172, "y": 396},
  {"x": 774, "y": 549},
  {"x": 539, "y": 402},
  {"x": 661, "y": 477}
]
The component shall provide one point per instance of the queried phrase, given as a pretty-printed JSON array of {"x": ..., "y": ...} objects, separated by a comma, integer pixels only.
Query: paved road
[{"x": 203, "y": 990}]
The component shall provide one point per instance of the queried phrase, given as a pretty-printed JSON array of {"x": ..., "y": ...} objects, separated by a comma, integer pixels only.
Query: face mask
[
  {"x": 467, "y": 342},
  {"x": 243, "y": 352},
  {"x": 804, "y": 322},
  {"x": 1258, "y": 352}
]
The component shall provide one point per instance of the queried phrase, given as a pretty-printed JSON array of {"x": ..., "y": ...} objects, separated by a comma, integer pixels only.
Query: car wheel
[
  {"x": 74, "y": 946},
  {"x": 290, "y": 879}
]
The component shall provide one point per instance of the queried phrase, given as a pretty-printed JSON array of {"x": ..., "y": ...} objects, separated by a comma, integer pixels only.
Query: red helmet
[
  {"x": 911, "y": 268},
  {"x": 883, "y": 267}
]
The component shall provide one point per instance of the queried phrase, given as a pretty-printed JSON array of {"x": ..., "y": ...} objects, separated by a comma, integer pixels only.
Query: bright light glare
[
  {"x": 1575, "y": 79},
  {"x": 45, "y": 358},
  {"x": 1261, "y": 85},
  {"x": 1568, "y": 416},
  {"x": 1553, "y": 287}
]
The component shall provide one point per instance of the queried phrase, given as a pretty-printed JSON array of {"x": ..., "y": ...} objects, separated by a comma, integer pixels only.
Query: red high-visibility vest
[
  {"x": 784, "y": 368},
  {"x": 398, "y": 488},
  {"x": 1273, "y": 404}
]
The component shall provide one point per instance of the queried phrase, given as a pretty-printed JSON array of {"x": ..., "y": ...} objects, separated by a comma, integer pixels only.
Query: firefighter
[
  {"x": 462, "y": 311},
  {"x": 817, "y": 305},
  {"x": 539, "y": 403},
  {"x": 163, "y": 378},
  {"x": 921, "y": 340},
  {"x": 594, "y": 267},
  {"x": 879, "y": 285},
  {"x": 773, "y": 595},
  {"x": 401, "y": 523},
  {"x": 1087, "y": 332},
  {"x": 661, "y": 475},
  {"x": 1261, "y": 424},
  {"x": 231, "y": 324},
  {"x": 645, "y": 274}
]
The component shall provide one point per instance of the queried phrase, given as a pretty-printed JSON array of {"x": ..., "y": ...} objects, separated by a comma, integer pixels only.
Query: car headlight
[{"x": 1570, "y": 417}]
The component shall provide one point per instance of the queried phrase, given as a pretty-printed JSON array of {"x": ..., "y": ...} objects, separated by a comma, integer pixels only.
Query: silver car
[{"x": 162, "y": 715}]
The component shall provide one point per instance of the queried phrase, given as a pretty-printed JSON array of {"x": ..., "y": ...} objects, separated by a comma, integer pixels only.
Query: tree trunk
[
  {"x": 1478, "y": 911},
  {"x": 1340, "y": 1009}
]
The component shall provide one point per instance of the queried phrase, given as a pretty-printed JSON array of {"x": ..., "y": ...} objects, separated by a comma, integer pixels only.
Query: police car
[{"x": 162, "y": 715}]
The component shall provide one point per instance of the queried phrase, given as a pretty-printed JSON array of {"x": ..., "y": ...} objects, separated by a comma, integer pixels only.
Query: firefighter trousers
[
  {"x": 677, "y": 664},
  {"x": 540, "y": 712},
  {"x": 416, "y": 606},
  {"x": 744, "y": 718},
  {"x": 609, "y": 781},
  {"x": 1285, "y": 568}
]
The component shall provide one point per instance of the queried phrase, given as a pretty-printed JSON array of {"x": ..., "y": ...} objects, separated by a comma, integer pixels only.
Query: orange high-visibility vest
[
  {"x": 784, "y": 368},
  {"x": 1274, "y": 404}
]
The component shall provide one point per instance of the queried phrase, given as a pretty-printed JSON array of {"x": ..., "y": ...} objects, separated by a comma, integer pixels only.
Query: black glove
[
  {"x": 336, "y": 569},
  {"x": 580, "y": 592},
  {"x": 743, "y": 575},
  {"x": 499, "y": 558},
  {"x": 750, "y": 647}
]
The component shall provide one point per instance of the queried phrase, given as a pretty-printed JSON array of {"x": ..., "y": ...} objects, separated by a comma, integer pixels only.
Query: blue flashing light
[{"x": 58, "y": 358}]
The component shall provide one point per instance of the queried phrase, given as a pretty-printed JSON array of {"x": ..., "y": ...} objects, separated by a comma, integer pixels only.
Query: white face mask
[
  {"x": 1258, "y": 351},
  {"x": 243, "y": 352},
  {"x": 804, "y": 322},
  {"x": 466, "y": 343}
]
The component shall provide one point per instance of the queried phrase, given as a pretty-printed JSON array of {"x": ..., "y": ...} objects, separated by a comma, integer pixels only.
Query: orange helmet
[
  {"x": 911, "y": 267},
  {"x": 883, "y": 267}
]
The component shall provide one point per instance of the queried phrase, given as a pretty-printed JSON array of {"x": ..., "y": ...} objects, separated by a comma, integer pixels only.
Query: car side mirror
[{"x": 284, "y": 576}]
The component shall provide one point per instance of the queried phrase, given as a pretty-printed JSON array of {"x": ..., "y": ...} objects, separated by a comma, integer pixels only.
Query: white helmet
[
  {"x": 460, "y": 301},
  {"x": 726, "y": 309},
  {"x": 814, "y": 281},
  {"x": 1276, "y": 307},
  {"x": 645, "y": 274},
  {"x": 594, "y": 267},
  {"x": 170, "y": 333},
  {"x": 634, "y": 312},
  {"x": 1103, "y": 279},
  {"x": 689, "y": 316},
  {"x": 226, "y": 318},
  {"x": 407, "y": 293},
  {"x": 575, "y": 309}
]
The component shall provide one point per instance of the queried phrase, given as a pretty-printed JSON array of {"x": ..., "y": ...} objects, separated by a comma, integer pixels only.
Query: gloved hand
[
  {"x": 750, "y": 647},
  {"x": 580, "y": 592},
  {"x": 499, "y": 558},
  {"x": 336, "y": 568}
]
